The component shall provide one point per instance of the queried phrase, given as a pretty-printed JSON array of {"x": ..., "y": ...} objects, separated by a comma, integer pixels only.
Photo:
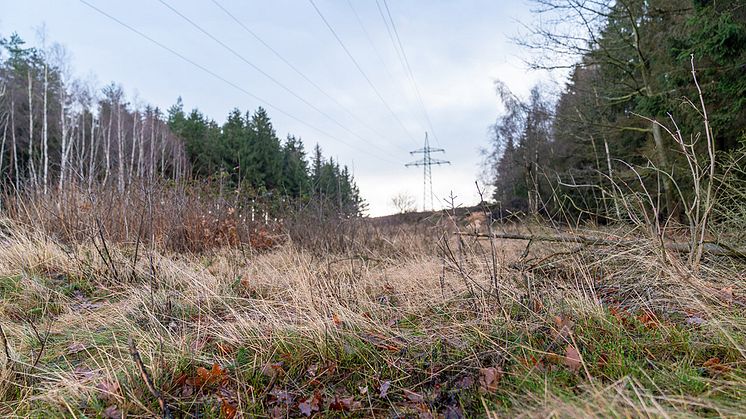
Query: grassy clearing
[{"x": 411, "y": 327}]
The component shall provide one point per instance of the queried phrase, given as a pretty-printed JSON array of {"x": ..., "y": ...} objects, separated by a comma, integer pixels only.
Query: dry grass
[{"x": 290, "y": 326}]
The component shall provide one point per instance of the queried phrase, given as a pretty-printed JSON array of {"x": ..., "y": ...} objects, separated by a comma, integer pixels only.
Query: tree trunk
[
  {"x": 135, "y": 117},
  {"x": 611, "y": 178},
  {"x": 152, "y": 145},
  {"x": 92, "y": 153},
  {"x": 32, "y": 167},
  {"x": 120, "y": 149},
  {"x": 80, "y": 147},
  {"x": 141, "y": 153},
  {"x": 13, "y": 138},
  {"x": 671, "y": 208},
  {"x": 2, "y": 147},
  {"x": 108, "y": 145},
  {"x": 45, "y": 127}
]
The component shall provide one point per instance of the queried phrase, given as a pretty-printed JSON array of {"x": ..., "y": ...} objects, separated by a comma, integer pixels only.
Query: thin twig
[
  {"x": 8, "y": 359},
  {"x": 148, "y": 381}
]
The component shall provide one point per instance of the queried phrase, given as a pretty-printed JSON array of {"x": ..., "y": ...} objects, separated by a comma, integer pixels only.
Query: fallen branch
[
  {"x": 716, "y": 249},
  {"x": 6, "y": 347},
  {"x": 148, "y": 381}
]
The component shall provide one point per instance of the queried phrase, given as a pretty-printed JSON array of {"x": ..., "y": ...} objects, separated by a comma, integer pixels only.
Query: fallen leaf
[
  {"x": 393, "y": 321},
  {"x": 648, "y": 319},
  {"x": 277, "y": 412},
  {"x": 726, "y": 294},
  {"x": 310, "y": 405},
  {"x": 530, "y": 362},
  {"x": 344, "y": 404},
  {"x": 695, "y": 320},
  {"x": 282, "y": 396},
  {"x": 212, "y": 376},
  {"x": 413, "y": 397},
  {"x": 227, "y": 410},
  {"x": 272, "y": 370},
  {"x": 381, "y": 342},
  {"x": 83, "y": 373},
  {"x": 453, "y": 412},
  {"x": 489, "y": 378},
  {"x": 537, "y": 305},
  {"x": 465, "y": 382},
  {"x": 111, "y": 412},
  {"x": 74, "y": 348},
  {"x": 312, "y": 370},
  {"x": 716, "y": 367},
  {"x": 108, "y": 391},
  {"x": 563, "y": 327},
  {"x": 384, "y": 389},
  {"x": 305, "y": 407},
  {"x": 603, "y": 360},
  {"x": 572, "y": 358}
]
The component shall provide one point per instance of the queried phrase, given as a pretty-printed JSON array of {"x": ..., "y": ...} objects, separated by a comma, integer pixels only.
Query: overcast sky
[{"x": 455, "y": 49}]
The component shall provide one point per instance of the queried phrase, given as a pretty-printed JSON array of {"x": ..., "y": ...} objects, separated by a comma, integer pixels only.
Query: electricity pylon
[{"x": 427, "y": 173}]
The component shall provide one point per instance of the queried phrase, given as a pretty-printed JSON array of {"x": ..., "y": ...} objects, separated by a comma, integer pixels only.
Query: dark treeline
[
  {"x": 633, "y": 68},
  {"x": 58, "y": 130},
  {"x": 245, "y": 152}
]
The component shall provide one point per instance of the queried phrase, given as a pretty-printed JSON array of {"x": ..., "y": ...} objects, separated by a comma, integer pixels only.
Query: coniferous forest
[
  {"x": 60, "y": 131},
  {"x": 630, "y": 94}
]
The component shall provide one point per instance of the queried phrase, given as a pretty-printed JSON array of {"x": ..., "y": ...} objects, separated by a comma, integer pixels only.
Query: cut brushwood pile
[{"x": 712, "y": 248}]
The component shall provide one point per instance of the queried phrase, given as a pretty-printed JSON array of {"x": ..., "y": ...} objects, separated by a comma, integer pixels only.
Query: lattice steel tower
[{"x": 427, "y": 173}]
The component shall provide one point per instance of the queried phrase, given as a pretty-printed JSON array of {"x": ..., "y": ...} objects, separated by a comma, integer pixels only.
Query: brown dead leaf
[
  {"x": 83, "y": 373},
  {"x": 648, "y": 319},
  {"x": 227, "y": 410},
  {"x": 384, "y": 389},
  {"x": 345, "y": 404},
  {"x": 603, "y": 360},
  {"x": 273, "y": 369},
  {"x": 74, "y": 348},
  {"x": 537, "y": 305},
  {"x": 726, "y": 295},
  {"x": 716, "y": 367},
  {"x": 277, "y": 412},
  {"x": 695, "y": 320},
  {"x": 453, "y": 412},
  {"x": 465, "y": 382},
  {"x": 563, "y": 327},
  {"x": 207, "y": 377},
  {"x": 413, "y": 397},
  {"x": 572, "y": 358},
  {"x": 108, "y": 391},
  {"x": 311, "y": 404},
  {"x": 282, "y": 396},
  {"x": 381, "y": 342},
  {"x": 111, "y": 412},
  {"x": 489, "y": 378}
]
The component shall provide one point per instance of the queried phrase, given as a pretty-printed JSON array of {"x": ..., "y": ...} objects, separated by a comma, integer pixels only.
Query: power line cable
[
  {"x": 409, "y": 70},
  {"x": 360, "y": 69},
  {"x": 372, "y": 44},
  {"x": 297, "y": 70},
  {"x": 264, "y": 73},
  {"x": 228, "y": 82}
]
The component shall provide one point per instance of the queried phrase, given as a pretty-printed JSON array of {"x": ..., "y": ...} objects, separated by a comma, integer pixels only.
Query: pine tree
[{"x": 295, "y": 176}]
